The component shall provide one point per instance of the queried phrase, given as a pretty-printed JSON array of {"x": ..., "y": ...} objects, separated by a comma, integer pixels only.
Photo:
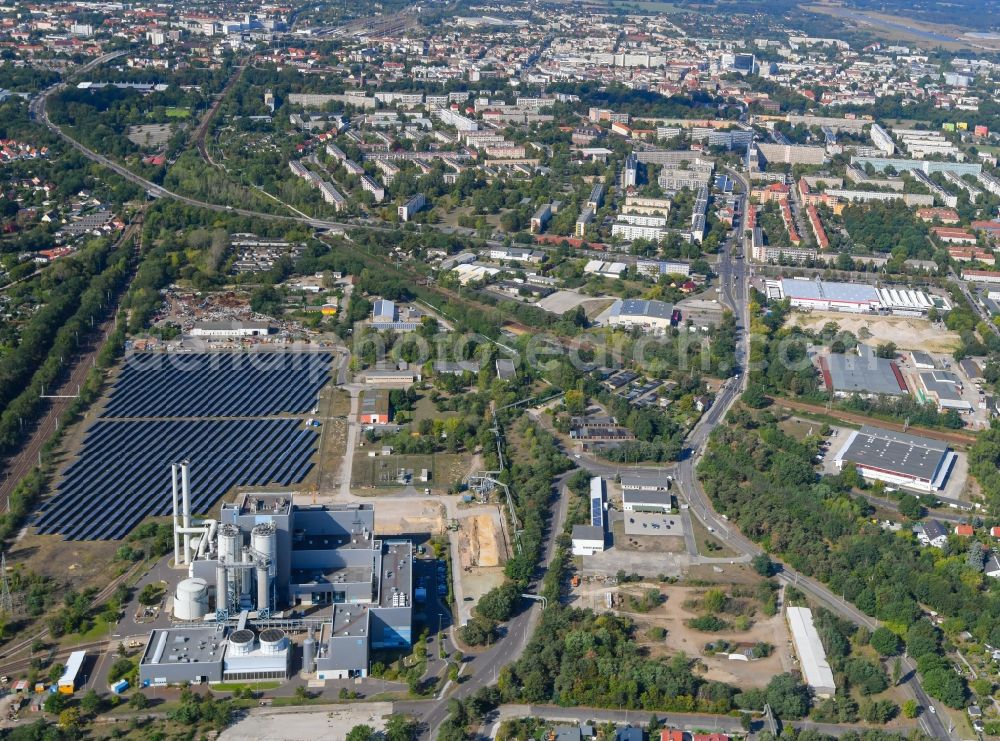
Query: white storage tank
[
  {"x": 309, "y": 653},
  {"x": 264, "y": 540},
  {"x": 191, "y": 599},
  {"x": 272, "y": 641},
  {"x": 229, "y": 544},
  {"x": 241, "y": 642}
]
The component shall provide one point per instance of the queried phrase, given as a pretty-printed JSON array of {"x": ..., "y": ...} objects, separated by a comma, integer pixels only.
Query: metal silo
[
  {"x": 229, "y": 544},
  {"x": 308, "y": 653},
  {"x": 191, "y": 599},
  {"x": 221, "y": 588},
  {"x": 264, "y": 540}
]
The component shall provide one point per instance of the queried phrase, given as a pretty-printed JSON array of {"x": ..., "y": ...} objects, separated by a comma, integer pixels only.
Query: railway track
[
  {"x": 21, "y": 463},
  {"x": 957, "y": 438},
  {"x": 206, "y": 121},
  {"x": 24, "y": 644}
]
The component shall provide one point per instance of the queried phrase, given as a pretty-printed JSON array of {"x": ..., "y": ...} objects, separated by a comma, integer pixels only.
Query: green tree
[
  {"x": 910, "y": 708},
  {"x": 885, "y": 642},
  {"x": 787, "y": 696},
  {"x": 886, "y": 350},
  {"x": 361, "y": 733},
  {"x": 91, "y": 703},
  {"x": 714, "y": 601},
  {"x": 400, "y": 728},
  {"x": 138, "y": 701},
  {"x": 69, "y": 719},
  {"x": 763, "y": 565},
  {"x": 498, "y": 603}
]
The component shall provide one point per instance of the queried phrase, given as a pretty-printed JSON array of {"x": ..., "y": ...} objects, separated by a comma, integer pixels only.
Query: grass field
[
  {"x": 176, "y": 112},
  {"x": 383, "y": 470}
]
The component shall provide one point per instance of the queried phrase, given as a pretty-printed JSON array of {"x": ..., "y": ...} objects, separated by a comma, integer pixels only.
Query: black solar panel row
[
  {"x": 123, "y": 476},
  {"x": 218, "y": 384}
]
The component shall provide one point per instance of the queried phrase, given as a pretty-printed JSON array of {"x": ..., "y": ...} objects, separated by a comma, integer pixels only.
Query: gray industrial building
[
  {"x": 861, "y": 373},
  {"x": 268, "y": 555},
  {"x": 215, "y": 653},
  {"x": 897, "y": 458}
]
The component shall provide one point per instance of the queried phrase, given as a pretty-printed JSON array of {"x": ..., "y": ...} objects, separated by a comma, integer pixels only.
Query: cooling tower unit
[
  {"x": 272, "y": 641},
  {"x": 191, "y": 599},
  {"x": 241, "y": 642}
]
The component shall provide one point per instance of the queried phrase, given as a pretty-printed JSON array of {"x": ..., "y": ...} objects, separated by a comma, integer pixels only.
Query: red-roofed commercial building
[
  {"x": 773, "y": 192},
  {"x": 992, "y": 228},
  {"x": 786, "y": 215}
]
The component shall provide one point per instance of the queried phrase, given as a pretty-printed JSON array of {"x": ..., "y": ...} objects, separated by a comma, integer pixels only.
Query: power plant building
[{"x": 265, "y": 560}]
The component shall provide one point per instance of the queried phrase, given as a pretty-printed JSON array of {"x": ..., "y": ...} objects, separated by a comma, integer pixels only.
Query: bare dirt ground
[
  {"x": 563, "y": 301},
  {"x": 482, "y": 552},
  {"x": 907, "y": 332},
  {"x": 396, "y": 517},
  {"x": 672, "y": 616},
  {"x": 478, "y": 541},
  {"x": 306, "y": 724},
  {"x": 82, "y": 564}
]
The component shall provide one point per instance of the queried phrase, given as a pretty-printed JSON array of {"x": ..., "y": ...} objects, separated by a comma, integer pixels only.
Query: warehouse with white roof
[
  {"x": 808, "y": 647},
  {"x": 822, "y": 295}
]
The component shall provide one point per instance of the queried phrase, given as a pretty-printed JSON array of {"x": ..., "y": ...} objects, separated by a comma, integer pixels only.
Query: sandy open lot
[
  {"x": 307, "y": 724},
  {"x": 482, "y": 553},
  {"x": 908, "y": 333},
  {"x": 672, "y": 615},
  {"x": 410, "y": 515},
  {"x": 478, "y": 542}
]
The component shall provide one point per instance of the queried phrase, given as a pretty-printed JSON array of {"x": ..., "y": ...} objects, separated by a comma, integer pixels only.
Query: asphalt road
[{"x": 691, "y": 722}]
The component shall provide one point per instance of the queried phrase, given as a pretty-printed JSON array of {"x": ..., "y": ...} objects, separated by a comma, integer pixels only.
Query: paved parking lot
[{"x": 651, "y": 523}]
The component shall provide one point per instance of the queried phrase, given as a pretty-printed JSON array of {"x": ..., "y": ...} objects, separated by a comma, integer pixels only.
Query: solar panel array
[
  {"x": 123, "y": 474},
  {"x": 597, "y": 512},
  {"x": 218, "y": 384}
]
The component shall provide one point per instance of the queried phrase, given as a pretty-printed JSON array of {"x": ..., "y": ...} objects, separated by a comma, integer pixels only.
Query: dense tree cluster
[
  {"x": 764, "y": 481},
  {"x": 579, "y": 658}
]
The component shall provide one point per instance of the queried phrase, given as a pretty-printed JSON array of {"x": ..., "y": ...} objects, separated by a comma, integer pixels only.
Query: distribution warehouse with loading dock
[
  {"x": 853, "y": 298},
  {"x": 897, "y": 458},
  {"x": 264, "y": 555}
]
